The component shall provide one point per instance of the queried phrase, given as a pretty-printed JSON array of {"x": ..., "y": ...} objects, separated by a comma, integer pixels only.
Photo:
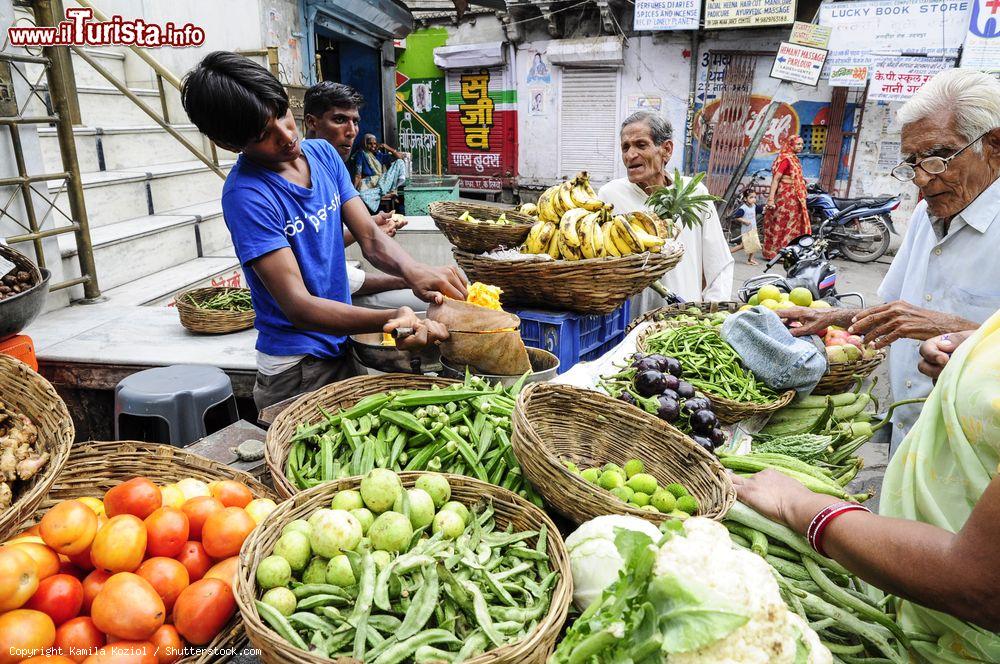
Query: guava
[
  {"x": 295, "y": 548},
  {"x": 282, "y": 599},
  {"x": 379, "y": 489},
  {"x": 272, "y": 572},
  {"x": 339, "y": 572},
  {"x": 449, "y": 523},
  {"x": 436, "y": 486},
  {"x": 364, "y": 517},
  {"x": 334, "y": 531},
  {"x": 348, "y": 499},
  {"x": 421, "y": 507},
  {"x": 391, "y": 532}
]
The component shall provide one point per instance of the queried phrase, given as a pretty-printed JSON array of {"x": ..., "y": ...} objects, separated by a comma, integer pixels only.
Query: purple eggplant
[
  {"x": 646, "y": 364},
  {"x": 673, "y": 366},
  {"x": 627, "y": 398},
  {"x": 668, "y": 410},
  {"x": 695, "y": 404},
  {"x": 671, "y": 394},
  {"x": 718, "y": 437},
  {"x": 703, "y": 422},
  {"x": 672, "y": 381},
  {"x": 649, "y": 383},
  {"x": 704, "y": 442},
  {"x": 685, "y": 390}
]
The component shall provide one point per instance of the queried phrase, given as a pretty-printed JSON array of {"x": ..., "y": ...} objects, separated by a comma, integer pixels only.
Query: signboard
[
  {"x": 982, "y": 43},
  {"x": 888, "y": 156},
  {"x": 748, "y": 13},
  {"x": 484, "y": 184},
  {"x": 898, "y": 79},
  {"x": 810, "y": 34},
  {"x": 666, "y": 15},
  {"x": 848, "y": 76},
  {"x": 868, "y": 30},
  {"x": 482, "y": 126},
  {"x": 798, "y": 64},
  {"x": 399, "y": 43},
  {"x": 644, "y": 103}
]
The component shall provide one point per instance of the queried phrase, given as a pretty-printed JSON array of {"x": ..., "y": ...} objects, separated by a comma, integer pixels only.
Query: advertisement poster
[
  {"x": 643, "y": 103},
  {"x": 748, "y": 13},
  {"x": 865, "y": 28},
  {"x": 810, "y": 34},
  {"x": 536, "y": 101},
  {"x": 849, "y": 76},
  {"x": 898, "y": 79},
  {"x": 666, "y": 15},
  {"x": 798, "y": 64},
  {"x": 888, "y": 156},
  {"x": 482, "y": 127},
  {"x": 982, "y": 43}
]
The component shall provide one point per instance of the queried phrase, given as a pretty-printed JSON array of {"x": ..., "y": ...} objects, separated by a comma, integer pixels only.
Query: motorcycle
[
  {"x": 857, "y": 228},
  {"x": 806, "y": 265}
]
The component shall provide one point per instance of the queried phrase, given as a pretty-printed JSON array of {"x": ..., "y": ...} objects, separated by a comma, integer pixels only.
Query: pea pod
[
  {"x": 280, "y": 624},
  {"x": 404, "y": 649},
  {"x": 422, "y": 605}
]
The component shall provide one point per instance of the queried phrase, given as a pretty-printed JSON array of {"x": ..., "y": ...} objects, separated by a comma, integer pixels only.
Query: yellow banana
[
  {"x": 547, "y": 205},
  {"x": 567, "y": 252},
  {"x": 533, "y": 243},
  {"x": 645, "y": 222},
  {"x": 582, "y": 197},
  {"x": 566, "y": 196},
  {"x": 621, "y": 246},
  {"x": 627, "y": 235},
  {"x": 609, "y": 244},
  {"x": 553, "y": 247},
  {"x": 584, "y": 181},
  {"x": 568, "y": 226},
  {"x": 649, "y": 242},
  {"x": 597, "y": 241},
  {"x": 529, "y": 209},
  {"x": 586, "y": 229}
]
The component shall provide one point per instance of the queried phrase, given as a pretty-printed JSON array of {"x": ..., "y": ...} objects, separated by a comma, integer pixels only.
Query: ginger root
[{"x": 20, "y": 457}]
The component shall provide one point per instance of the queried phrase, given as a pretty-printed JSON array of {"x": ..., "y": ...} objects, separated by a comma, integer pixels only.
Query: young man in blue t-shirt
[{"x": 284, "y": 203}]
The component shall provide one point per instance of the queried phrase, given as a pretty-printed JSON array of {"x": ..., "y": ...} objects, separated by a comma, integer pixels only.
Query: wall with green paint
[{"x": 417, "y": 63}]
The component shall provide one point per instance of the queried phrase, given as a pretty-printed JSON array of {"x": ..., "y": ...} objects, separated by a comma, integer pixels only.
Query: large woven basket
[
  {"x": 479, "y": 238},
  {"x": 589, "y": 286},
  {"x": 26, "y": 392},
  {"x": 727, "y": 410},
  {"x": 510, "y": 509},
  {"x": 843, "y": 376},
  {"x": 333, "y": 397},
  {"x": 95, "y": 467},
  {"x": 557, "y": 423},
  {"x": 673, "y": 310},
  {"x": 211, "y": 321}
]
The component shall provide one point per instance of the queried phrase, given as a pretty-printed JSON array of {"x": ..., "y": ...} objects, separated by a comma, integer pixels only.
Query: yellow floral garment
[{"x": 941, "y": 470}]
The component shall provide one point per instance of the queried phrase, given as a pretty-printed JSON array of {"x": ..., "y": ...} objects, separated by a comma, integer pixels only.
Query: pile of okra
[{"x": 463, "y": 428}]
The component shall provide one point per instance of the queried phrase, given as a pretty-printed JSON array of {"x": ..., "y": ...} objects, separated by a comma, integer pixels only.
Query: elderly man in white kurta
[{"x": 705, "y": 274}]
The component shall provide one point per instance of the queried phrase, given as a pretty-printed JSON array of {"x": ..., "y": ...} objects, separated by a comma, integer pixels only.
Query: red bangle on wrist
[{"x": 820, "y": 522}]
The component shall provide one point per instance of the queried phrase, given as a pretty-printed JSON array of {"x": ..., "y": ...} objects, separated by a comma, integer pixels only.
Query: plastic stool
[
  {"x": 21, "y": 347},
  {"x": 177, "y": 404}
]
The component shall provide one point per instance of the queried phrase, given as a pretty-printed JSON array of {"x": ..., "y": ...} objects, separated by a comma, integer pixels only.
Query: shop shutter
[{"x": 588, "y": 122}]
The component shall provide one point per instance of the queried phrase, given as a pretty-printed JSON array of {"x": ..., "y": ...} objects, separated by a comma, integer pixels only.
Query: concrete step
[
  {"x": 102, "y": 105},
  {"x": 213, "y": 235},
  {"x": 125, "y": 147},
  {"x": 108, "y": 57},
  {"x": 116, "y": 196},
  {"x": 162, "y": 287}
]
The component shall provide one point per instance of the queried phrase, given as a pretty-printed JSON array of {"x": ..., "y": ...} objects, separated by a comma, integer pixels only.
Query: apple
[{"x": 855, "y": 340}]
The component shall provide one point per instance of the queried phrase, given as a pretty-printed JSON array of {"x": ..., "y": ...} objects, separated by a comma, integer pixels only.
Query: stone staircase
[{"x": 155, "y": 215}]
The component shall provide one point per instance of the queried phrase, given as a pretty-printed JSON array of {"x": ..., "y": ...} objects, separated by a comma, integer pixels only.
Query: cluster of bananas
[
  {"x": 467, "y": 217},
  {"x": 574, "y": 224}
]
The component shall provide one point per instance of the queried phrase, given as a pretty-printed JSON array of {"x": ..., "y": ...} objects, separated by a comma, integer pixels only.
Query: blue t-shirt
[
  {"x": 266, "y": 212},
  {"x": 748, "y": 213}
]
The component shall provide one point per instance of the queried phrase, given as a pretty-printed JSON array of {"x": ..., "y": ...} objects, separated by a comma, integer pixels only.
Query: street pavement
[{"x": 863, "y": 278}]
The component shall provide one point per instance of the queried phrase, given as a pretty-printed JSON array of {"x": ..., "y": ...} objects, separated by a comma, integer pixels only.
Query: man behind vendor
[
  {"x": 284, "y": 202},
  {"x": 332, "y": 112}
]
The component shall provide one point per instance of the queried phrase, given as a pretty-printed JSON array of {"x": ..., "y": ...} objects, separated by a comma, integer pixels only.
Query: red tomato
[
  {"x": 194, "y": 558},
  {"x": 224, "y": 570},
  {"x": 48, "y": 659},
  {"x": 198, "y": 509},
  {"x": 120, "y": 545},
  {"x": 125, "y": 652},
  {"x": 168, "y": 578},
  {"x": 169, "y": 644},
  {"x": 46, "y": 560},
  {"x": 18, "y": 577},
  {"x": 60, "y": 596},
  {"x": 138, "y": 497},
  {"x": 24, "y": 631},
  {"x": 128, "y": 607},
  {"x": 203, "y": 609},
  {"x": 231, "y": 493},
  {"x": 78, "y": 638},
  {"x": 166, "y": 531},
  {"x": 92, "y": 585},
  {"x": 224, "y": 532},
  {"x": 69, "y": 527}
]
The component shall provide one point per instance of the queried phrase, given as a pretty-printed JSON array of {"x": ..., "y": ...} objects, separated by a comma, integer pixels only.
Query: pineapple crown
[{"x": 679, "y": 201}]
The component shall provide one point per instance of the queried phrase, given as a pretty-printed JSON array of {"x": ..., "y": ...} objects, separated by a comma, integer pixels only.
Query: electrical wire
[{"x": 545, "y": 16}]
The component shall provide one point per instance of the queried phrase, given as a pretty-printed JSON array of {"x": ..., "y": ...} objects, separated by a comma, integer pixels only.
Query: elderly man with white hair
[
  {"x": 705, "y": 273},
  {"x": 946, "y": 276}
]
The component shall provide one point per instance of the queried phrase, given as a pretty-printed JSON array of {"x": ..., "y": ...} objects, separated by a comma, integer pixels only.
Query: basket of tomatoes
[{"x": 133, "y": 552}]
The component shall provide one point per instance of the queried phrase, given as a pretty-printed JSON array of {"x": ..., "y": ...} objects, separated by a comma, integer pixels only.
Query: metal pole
[
  {"x": 857, "y": 139},
  {"x": 66, "y": 74},
  {"x": 61, "y": 69},
  {"x": 688, "y": 164},
  {"x": 29, "y": 202}
]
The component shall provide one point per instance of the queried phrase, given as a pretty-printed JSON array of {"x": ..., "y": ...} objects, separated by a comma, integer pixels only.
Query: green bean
[
  {"x": 280, "y": 624},
  {"x": 363, "y": 607},
  {"x": 400, "y": 651},
  {"x": 475, "y": 643},
  {"x": 482, "y": 613},
  {"x": 315, "y": 601},
  {"x": 422, "y": 606}
]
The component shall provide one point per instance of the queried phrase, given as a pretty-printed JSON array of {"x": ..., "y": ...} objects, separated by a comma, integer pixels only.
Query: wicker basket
[
  {"x": 95, "y": 467},
  {"x": 727, "y": 410},
  {"x": 211, "y": 321},
  {"x": 510, "y": 509},
  {"x": 333, "y": 397},
  {"x": 672, "y": 310},
  {"x": 557, "y": 423},
  {"x": 843, "y": 376},
  {"x": 26, "y": 392},
  {"x": 589, "y": 286},
  {"x": 479, "y": 238},
  {"x": 21, "y": 262}
]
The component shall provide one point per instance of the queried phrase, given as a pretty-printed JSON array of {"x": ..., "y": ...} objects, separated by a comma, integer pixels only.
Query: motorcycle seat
[{"x": 842, "y": 203}]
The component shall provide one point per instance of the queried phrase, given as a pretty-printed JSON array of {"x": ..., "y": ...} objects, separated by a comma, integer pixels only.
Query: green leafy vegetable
[
  {"x": 679, "y": 202},
  {"x": 692, "y": 616}
]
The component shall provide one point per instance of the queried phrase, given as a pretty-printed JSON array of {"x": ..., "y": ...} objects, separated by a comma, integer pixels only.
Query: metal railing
[{"x": 416, "y": 143}]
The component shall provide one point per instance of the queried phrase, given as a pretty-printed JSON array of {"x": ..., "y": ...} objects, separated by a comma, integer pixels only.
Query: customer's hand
[
  {"x": 385, "y": 223},
  {"x": 813, "y": 321},
  {"x": 886, "y": 323},
  {"x": 935, "y": 353},
  {"x": 771, "y": 493},
  {"x": 399, "y": 220},
  {"x": 424, "y": 331},
  {"x": 433, "y": 284}
]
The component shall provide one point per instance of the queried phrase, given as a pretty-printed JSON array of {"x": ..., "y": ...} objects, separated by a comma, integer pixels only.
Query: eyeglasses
[{"x": 905, "y": 172}]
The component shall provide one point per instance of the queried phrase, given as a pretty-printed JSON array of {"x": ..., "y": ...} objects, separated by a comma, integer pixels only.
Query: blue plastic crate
[{"x": 570, "y": 336}]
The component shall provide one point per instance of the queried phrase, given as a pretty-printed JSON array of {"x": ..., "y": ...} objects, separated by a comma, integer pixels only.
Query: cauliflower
[{"x": 707, "y": 556}]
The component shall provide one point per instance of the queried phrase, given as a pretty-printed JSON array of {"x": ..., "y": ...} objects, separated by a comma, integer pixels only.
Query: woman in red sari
[{"x": 785, "y": 215}]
